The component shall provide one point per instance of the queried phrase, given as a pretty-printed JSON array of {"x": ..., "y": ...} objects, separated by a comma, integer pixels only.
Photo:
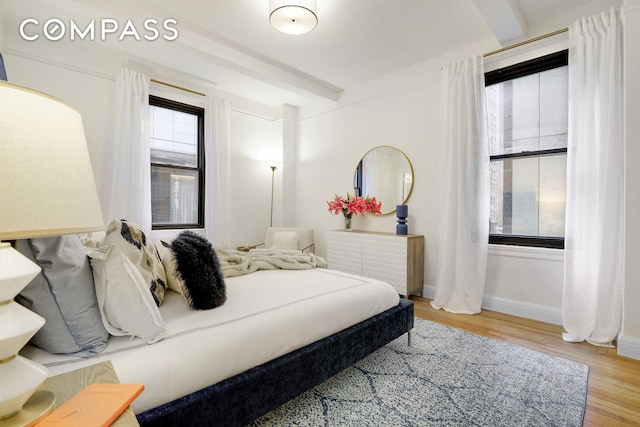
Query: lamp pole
[{"x": 273, "y": 173}]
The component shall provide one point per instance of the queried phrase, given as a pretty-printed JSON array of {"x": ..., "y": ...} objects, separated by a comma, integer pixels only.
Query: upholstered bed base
[{"x": 245, "y": 397}]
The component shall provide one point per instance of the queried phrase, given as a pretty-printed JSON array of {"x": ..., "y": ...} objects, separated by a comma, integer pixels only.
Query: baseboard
[
  {"x": 629, "y": 346},
  {"x": 512, "y": 307},
  {"x": 428, "y": 291}
]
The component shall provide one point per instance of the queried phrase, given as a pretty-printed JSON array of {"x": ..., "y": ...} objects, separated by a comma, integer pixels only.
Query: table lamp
[{"x": 47, "y": 188}]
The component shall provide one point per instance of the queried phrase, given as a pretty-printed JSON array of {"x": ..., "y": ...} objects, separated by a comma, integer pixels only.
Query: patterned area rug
[{"x": 447, "y": 377}]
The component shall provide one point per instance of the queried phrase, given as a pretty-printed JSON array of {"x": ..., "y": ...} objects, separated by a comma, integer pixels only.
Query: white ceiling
[{"x": 231, "y": 44}]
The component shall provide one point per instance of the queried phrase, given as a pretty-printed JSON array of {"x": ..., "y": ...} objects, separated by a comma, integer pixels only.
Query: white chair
[{"x": 289, "y": 238}]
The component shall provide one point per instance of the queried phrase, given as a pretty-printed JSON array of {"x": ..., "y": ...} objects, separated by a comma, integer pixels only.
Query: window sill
[{"x": 527, "y": 252}]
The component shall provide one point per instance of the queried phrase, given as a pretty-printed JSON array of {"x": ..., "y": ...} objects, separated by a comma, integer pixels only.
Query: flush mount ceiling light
[{"x": 293, "y": 17}]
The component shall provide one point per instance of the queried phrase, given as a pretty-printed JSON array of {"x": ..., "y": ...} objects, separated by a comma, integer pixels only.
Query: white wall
[
  {"x": 1, "y": 32},
  {"x": 525, "y": 282},
  {"x": 256, "y": 145},
  {"x": 84, "y": 76},
  {"x": 332, "y": 144}
]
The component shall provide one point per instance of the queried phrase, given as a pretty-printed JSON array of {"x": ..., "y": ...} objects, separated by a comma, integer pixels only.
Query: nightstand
[{"x": 65, "y": 386}]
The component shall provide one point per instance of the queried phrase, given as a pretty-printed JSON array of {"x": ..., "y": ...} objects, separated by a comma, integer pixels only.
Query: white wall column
[
  {"x": 289, "y": 160},
  {"x": 1, "y": 32},
  {"x": 629, "y": 342}
]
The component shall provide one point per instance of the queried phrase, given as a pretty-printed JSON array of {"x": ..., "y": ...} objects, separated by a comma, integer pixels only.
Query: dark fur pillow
[{"x": 198, "y": 267}]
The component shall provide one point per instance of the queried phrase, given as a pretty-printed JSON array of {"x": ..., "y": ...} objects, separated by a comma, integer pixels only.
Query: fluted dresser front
[{"x": 395, "y": 259}]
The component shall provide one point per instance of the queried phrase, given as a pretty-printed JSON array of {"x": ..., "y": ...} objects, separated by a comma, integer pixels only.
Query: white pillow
[
  {"x": 126, "y": 305},
  {"x": 287, "y": 240}
]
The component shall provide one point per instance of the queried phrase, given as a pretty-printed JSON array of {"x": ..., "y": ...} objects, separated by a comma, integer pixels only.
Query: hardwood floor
[{"x": 613, "y": 397}]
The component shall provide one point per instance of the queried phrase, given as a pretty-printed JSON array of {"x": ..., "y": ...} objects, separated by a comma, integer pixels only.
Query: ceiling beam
[
  {"x": 505, "y": 20},
  {"x": 207, "y": 46},
  {"x": 252, "y": 64}
]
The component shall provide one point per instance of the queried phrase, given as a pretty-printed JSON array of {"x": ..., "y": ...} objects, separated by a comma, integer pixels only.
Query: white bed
[{"x": 267, "y": 314}]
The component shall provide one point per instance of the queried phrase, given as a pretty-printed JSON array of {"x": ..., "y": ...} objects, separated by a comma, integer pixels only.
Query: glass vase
[{"x": 347, "y": 223}]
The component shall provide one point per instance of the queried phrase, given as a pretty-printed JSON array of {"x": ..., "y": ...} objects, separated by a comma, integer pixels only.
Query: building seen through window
[
  {"x": 177, "y": 166},
  {"x": 527, "y": 111}
]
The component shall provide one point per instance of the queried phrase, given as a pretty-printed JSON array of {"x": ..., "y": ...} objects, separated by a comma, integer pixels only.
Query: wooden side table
[{"x": 65, "y": 386}]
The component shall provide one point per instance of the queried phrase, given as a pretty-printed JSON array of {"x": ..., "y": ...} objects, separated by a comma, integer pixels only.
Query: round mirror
[{"x": 386, "y": 173}]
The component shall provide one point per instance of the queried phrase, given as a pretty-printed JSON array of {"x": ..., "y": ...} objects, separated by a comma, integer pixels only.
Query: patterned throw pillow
[
  {"x": 141, "y": 251},
  {"x": 174, "y": 282}
]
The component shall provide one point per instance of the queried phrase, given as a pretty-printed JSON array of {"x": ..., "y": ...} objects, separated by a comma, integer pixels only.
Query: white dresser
[{"x": 395, "y": 259}]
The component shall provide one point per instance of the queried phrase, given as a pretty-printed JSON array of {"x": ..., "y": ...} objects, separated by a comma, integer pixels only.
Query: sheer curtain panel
[
  {"x": 131, "y": 181},
  {"x": 217, "y": 168},
  {"x": 464, "y": 208},
  {"x": 592, "y": 297}
]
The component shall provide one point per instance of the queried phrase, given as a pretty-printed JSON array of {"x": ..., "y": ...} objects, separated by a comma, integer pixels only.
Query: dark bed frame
[{"x": 245, "y": 397}]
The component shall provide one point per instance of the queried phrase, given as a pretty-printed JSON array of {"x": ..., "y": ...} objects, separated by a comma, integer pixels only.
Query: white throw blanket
[{"x": 237, "y": 263}]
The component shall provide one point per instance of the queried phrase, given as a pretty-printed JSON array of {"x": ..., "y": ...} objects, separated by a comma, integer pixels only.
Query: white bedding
[{"x": 267, "y": 314}]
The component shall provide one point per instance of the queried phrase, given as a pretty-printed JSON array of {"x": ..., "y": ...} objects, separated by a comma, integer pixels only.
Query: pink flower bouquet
[{"x": 353, "y": 204}]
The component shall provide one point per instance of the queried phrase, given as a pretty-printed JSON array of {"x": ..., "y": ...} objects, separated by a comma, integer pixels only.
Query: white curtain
[
  {"x": 217, "y": 170},
  {"x": 131, "y": 181},
  {"x": 464, "y": 207},
  {"x": 592, "y": 297}
]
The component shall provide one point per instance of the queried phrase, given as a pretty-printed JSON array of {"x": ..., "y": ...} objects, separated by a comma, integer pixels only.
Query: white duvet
[{"x": 267, "y": 314}]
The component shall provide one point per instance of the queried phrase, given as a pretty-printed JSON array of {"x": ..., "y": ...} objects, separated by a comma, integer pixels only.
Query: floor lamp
[
  {"x": 47, "y": 188},
  {"x": 273, "y": 174}
]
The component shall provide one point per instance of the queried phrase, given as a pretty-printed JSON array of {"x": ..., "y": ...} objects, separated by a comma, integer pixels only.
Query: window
[
  {"x": 527, "y": 111},
  {"x": 177, "y": 164}
]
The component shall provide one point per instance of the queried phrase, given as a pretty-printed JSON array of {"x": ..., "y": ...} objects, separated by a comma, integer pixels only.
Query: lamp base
[{"x": 38, "y": 405}]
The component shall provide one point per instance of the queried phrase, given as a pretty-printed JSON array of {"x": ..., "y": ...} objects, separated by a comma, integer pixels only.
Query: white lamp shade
[
  {"x": 47, "y": 186},
  {"x": 20, "y": 378},
  {"x": 293, "y": 17}
]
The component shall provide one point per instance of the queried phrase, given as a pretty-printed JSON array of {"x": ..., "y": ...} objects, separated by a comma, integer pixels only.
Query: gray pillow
[{"x": 63, "y": 293}]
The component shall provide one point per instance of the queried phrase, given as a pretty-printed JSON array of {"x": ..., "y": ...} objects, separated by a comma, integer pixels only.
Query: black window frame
[
  {"x": 533, "y": 66},
  {"x": 170, "y": 104}
]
